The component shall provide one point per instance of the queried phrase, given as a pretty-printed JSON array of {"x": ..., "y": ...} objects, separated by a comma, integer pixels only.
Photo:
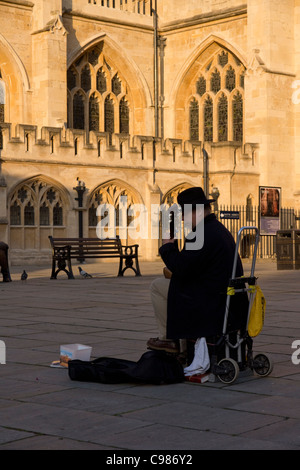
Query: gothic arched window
[
  {"x": 109, "y": 125},
  {"x": 44, "y": 214},
  {"x": 111, "y": 194},
  {"x": 78, "y": 111},
  {"x": 86, "y": 78},
  {"x": 116, "y": 85},
  {"x": 201, "y": 86},
  {"x": 93, "y": 216},
  {"x": 215, "y": 81},
  {"x": 237, "y": 117},
  {"x": 194, "y": 120},
  {"x": 222, "y": 103},
  {"x": 230, "y": 79},
  {"x": 93, "y": 113},
  {"x": 101, "y": 81},
  {"x": 57, "y": 215},
  {"x": 15, "y": 214},
  {"x": 223, "y": 118},
  {"x": 223, "y": 58},
  {"x": 208, "y": 120},
  {"x": 124, "y": 117},
  {"x": 36, "y": 210},
  {"x": 89, "y": 77},
  {"x": 71, "y": 79},
  {"x": 29, "y": 214}
]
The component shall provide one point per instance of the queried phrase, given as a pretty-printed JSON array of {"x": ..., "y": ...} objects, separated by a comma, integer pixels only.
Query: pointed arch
[
  {"x": 109, "y": 71},
  {"x": 15, "y": 77},
  {"x": 170, "y": 197},
  {"x": 46, "y": 181},
  {"x": 37, "y": 208},
  {"x": 212, "y": 69},
  {"x": 200, "y": 54},
  {"x": 117, "y": 186},
  {"x": 121, "y": 61},
  {"x": 13, "y": 56},
  {"x": 110, "y": 192}
]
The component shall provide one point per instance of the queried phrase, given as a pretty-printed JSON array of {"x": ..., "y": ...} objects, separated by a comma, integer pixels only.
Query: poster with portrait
[{"x": 269, "y": 210}]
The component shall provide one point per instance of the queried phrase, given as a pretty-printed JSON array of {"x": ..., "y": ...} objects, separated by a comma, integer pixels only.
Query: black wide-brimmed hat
[{"x": 193, "y": 196}]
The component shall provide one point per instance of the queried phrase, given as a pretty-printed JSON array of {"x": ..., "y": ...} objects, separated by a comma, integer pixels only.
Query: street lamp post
[
  {"x": 205, "y": 172},
  {"x": 80, "y": 189},
  {"x": 215, "y": 193}
]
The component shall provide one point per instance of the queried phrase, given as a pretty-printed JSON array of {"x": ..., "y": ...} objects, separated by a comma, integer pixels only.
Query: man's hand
[{"x": 167, "y": 273}]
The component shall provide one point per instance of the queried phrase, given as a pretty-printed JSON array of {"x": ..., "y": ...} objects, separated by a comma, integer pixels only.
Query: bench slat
[
  {"x": 85, "y": 242},
  {"x": 94, "y": 253}
]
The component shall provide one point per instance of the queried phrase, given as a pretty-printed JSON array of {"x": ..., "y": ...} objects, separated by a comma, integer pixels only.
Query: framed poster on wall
[{"x": 269, "y": 210}]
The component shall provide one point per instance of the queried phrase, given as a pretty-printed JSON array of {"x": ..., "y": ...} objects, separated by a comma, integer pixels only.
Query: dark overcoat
[{"x": 198, "y": 287}]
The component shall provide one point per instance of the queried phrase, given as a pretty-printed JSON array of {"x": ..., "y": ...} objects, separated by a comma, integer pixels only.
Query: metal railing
[{"x": 249, "y": 216}]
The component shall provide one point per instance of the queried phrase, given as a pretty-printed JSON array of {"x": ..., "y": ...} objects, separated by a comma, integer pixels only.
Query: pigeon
[
  {"x": 84, "y": 273},
  {"x": 24, "y": 276}
]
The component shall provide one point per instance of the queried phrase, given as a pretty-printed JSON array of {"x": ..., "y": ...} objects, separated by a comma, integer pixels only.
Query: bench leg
[
  {"x": 53, "y": 274},
  {"x": 61, "y": 266},
  {"x": 70, "y": 273},
  {"x": 138, "y": 272},
  {"x": 129, "y": 265},
  {"x": 121, "y": 271}
]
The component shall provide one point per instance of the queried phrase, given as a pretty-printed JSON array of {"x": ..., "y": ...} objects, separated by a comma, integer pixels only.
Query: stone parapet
[{"x": 53, "y": 145}]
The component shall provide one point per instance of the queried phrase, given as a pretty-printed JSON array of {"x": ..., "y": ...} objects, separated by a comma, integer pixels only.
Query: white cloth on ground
[{"x": 201, "y": 361}]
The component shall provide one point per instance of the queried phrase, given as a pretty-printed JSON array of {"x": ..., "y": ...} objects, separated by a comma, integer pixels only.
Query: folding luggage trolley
[{"x": 232, "y": 351}]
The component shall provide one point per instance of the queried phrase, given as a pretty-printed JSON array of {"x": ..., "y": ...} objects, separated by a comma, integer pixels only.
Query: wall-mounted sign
[
  {"x": 269, "y": 210},
  {"x": 229, "y": 215}
]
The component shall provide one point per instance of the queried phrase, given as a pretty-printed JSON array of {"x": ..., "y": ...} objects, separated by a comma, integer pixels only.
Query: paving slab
[{"x": 42, "y": 409}]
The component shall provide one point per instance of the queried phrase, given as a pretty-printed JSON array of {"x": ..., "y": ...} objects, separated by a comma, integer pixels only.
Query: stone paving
[{"x": 41, "y": 408}]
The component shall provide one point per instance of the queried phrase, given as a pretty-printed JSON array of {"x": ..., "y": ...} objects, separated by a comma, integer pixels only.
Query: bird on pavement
[
  {"x": 24, "y": 276},
  {"x": 84, "y": 273}
]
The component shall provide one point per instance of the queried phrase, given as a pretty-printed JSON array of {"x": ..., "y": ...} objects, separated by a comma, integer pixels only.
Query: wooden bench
[{"x": 66, "y": 249}]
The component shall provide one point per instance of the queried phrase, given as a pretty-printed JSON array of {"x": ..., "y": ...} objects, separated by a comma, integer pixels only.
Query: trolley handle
[
  {"x": 248, "y": 227},
  {"x": 240, "y": 282}
]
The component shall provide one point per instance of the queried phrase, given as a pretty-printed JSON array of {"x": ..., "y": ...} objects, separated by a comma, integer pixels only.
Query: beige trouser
[{"x": 159, "y": 296}]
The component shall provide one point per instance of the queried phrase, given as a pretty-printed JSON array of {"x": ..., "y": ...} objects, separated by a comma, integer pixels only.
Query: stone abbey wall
[{"x": 148, "y": 91}]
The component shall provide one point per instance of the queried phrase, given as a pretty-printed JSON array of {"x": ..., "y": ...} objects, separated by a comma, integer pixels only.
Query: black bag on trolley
[{"x": 154, "y": 367}]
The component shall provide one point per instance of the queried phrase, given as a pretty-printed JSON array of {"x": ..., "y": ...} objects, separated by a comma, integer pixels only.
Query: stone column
[
  {"x": 151, "y": 245},
  {"x": 49, "y": 63}
]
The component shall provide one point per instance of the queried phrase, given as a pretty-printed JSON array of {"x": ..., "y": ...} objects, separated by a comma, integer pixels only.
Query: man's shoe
[{"x": 167, "y": 345}]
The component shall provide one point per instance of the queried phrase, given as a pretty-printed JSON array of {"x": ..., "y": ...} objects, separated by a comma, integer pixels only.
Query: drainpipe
[
  {"x": 205, "y": 172},
  {"x": 232, "y": 174},
  {"x": 155, "y": 69},
  {"x": 162, "y": 45}
]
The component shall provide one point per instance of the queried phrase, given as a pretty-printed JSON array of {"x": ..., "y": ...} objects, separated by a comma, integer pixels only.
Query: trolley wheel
[
  {"x": 228, "y": 370},
  {"x": 262, "y": 364}
]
